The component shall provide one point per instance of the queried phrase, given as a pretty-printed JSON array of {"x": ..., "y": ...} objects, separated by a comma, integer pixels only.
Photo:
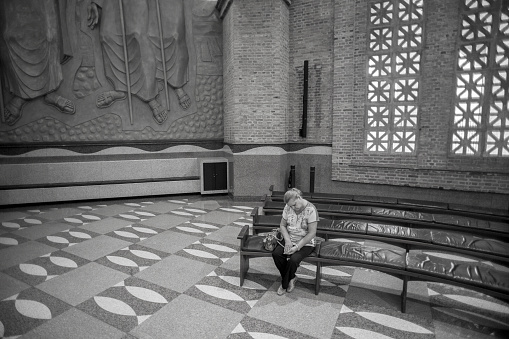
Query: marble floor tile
[
  {"x": 319, "y": 320},
  {"x": 186, "y": 212},
  {"x": 106, "y": 225},
  {"x": 10, "y": 286},
  {"x": 60, "y": 213},
  {"x": 97, "y": 247},
  {"x": 135, "y": 232},
  {"x": 255, "y": 328},
  {"x": 161, "y": 207},
  {"x": 211, "y": 252},
  {"x": 376, "y": 280},
  {"x": 337, "y": 275},
  {"x": 11, "y": 239},
  {"x": 21, "y": 223},
  {"x": 136, "y": 215},
  {"x": 23, "y": 252},
  {"x": 227, "y": 234},
  {"x": 69, "y": 237},
  {"x": 190, "y": 229},
  {"x": 220, "y": 217},
  {"x": 176, "y": 273},
  {"x": 188, "y": 317},
  {"x": 40, "y": 231},
  {"x": 209, "y": 205},
  {"x": 77, "y": 325},
  {"x": 70, "y": 288},
  {"x": 222, "y": 287},
  {"x": 169, "y": 241},
  {"x": 128, "y": 303},
  {"x": 45, "y": 267},
  {"x": 168, "y": 267},
  {"x": 262, "y": 265},
  {"x": 132, "y": 259},
  {"x": 20, "y": 313},
  {"x": 11, "y": 215},
  {"x": 364, "y": 318},
  {"x": 468, "y": 300},
  {"x": 206, "y": 227},
  {"x": 112, "y": 210},
  {"x": 374, "y": 297},
  {"x": 166, "y": 221}
]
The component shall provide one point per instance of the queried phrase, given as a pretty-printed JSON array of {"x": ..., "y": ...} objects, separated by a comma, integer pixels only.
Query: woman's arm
[
  {"x": 311, "y": 234},
  {"x": 286, "y": 236}
]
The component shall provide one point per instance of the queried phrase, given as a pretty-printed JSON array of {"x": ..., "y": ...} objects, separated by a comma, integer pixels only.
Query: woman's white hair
[{"x": 293, "y": 193}]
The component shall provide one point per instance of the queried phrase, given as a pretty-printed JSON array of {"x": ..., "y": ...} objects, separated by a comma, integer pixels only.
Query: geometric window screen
[
  {"x": 394, "y": 68},
  {"x": 481, "y": 120}
]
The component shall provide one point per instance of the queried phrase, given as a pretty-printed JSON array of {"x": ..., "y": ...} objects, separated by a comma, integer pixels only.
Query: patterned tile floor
[{"x": 168, "y": 267}]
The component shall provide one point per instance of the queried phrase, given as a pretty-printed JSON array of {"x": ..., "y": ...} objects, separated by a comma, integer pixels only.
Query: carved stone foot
[
  {"x": 62, "y": 104},
  {"x": 184, "y": 99},
  {"x": 159, "y": 112},
  {"x": 106, "y": 99},
  {"x": 12, "y": 111}
]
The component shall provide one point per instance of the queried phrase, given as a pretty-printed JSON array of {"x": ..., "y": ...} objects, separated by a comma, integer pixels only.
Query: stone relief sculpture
[
  {"x": 52, "y": 62},
  {"x": 34, "y": 44},
  {"x": 144, "y": 49}
]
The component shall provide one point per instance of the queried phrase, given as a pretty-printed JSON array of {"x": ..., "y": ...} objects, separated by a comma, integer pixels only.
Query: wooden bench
[
  {"x": 407, "y": 252},
  {"x": 416, "y": 264},
  {"x": 251, "y": 246},
  {"x": 415, "y": 219},
  {"x": 399, "y": 203}
]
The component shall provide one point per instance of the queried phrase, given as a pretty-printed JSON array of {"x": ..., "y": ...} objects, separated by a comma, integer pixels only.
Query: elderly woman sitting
[{"x": 298, "y": 227}]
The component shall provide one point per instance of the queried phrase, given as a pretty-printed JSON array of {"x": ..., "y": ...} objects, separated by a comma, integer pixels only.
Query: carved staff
[
  {"x": 126, "y": 61},
  {"x": 163, "y": 57}
]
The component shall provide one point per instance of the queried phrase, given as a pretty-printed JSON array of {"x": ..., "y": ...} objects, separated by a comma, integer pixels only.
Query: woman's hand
[
  {"x": 288, "y": 247},
  {"x": 292, "y": 250}
]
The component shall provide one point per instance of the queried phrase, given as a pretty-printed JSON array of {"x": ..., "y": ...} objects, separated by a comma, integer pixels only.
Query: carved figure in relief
[
  {"x": 143, "y": 25},
  {"x": 34, "y": 44}
]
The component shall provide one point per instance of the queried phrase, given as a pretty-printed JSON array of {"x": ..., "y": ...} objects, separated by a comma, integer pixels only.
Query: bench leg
[
  {"x": 403, "y": 294},
  {"x": 318, "y": 277},
  {"x": 244, "y": 267}
]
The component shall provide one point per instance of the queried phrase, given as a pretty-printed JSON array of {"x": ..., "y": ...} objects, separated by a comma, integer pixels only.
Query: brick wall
[
  {"x": 256, "y": 61},
  {"x": 432, "y": 166},
  {"x": 343, "y": 84},
  {"x": 265, "y": 45},
  {"x": 311, "y": 34}
]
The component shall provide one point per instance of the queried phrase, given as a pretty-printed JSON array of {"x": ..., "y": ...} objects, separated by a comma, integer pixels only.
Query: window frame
[
  {"x": 395, "y": 25},
  {"x": 488, "y": 72}
]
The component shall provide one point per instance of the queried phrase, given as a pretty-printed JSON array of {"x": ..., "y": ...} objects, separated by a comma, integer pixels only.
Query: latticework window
[
  {"x": 394, "y": 65},
  {"x": 481, "y": 120}
]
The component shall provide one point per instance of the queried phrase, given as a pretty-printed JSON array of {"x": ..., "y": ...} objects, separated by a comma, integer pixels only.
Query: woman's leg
[
  {"x": 294, "y": 263},
  {"x": 280, "y": 260}
]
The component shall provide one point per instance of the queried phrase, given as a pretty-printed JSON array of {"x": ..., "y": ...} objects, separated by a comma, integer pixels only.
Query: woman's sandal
[{"x": 291, "y": 285}]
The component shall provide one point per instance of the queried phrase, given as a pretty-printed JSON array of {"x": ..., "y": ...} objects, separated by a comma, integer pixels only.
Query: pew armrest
[{"x": 243, "y": 232}]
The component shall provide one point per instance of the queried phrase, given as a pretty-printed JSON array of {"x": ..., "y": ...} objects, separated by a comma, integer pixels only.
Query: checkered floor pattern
[{"x": 168, "y": 267}]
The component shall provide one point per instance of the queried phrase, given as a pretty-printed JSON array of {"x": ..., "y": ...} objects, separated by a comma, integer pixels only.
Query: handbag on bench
[{"x": 272, "y": 239}]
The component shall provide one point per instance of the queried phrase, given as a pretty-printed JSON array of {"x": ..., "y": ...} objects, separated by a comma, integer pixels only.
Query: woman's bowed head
[{"x": 298, "y": 227}]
